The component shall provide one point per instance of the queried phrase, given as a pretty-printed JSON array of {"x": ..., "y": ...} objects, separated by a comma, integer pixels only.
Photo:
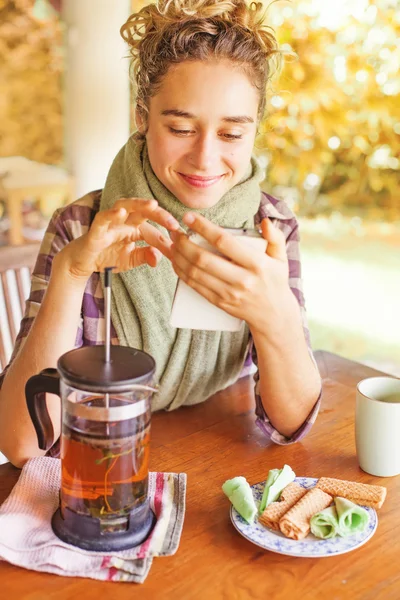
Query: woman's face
[{"x": 201, "y": 130}]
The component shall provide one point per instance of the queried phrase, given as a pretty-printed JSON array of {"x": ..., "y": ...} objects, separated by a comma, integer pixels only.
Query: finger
[
  {"x": 140, "y": 210},
  {"x": 195, "y": 274},
  {"x": 204, "y": 263},
  {"x": 156, "y": 238},
  {"x": 276, "y": 247},
  {"x": 223, "y": 241},
  {"x": 104, "y": 220},
  {"x": 209, "y": 294},
  {"x": 144, "y": 255},
  {"x": 205, "y": 291}
]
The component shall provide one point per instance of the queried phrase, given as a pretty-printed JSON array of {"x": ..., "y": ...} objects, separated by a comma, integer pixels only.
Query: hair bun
[
  {"x": 227, "y": 9},
  {"x": 156, "y": 17}
]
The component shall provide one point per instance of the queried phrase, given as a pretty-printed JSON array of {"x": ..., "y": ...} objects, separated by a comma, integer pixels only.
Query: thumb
[{"x": 276, "y": 247}]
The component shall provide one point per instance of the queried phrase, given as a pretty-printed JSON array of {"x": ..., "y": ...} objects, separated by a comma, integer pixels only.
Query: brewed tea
[{"x": 105, "y": 466}]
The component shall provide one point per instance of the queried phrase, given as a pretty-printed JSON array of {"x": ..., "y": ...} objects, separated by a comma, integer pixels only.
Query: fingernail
[
  {"x": 172, "y": 224},
  {"x": 189, "y": 218},
  {"x": 173, "y": 235}
]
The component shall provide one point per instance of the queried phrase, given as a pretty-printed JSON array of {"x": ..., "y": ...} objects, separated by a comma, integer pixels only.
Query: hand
[
  {"x": 111, "y": 239},
  {"x": 244, "y": 282}
]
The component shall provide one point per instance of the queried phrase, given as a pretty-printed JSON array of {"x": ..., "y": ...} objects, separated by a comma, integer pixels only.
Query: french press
[{"x": 105, "y": 394}]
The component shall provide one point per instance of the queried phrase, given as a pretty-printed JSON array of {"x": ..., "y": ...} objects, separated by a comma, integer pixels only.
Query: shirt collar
[{"x": 268, "y": 209}]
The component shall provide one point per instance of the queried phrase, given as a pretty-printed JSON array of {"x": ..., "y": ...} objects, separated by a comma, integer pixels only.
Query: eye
[
  {"x": 180, "y": 131},
  {"x": 232, "y": 136}
]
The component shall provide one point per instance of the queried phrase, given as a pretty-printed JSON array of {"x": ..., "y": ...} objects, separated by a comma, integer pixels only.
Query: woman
[{"x": 201, "y": 69}]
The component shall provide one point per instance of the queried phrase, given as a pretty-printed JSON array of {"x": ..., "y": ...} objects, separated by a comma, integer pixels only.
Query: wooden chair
[{"x": 16, "y": 264}]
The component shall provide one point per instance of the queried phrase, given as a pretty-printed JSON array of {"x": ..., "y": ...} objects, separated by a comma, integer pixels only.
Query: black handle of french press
[{"x": 35, "y": 388}]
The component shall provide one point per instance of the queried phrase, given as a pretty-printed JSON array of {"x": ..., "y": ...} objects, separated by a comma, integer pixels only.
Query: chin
[
  {"x": 199, "y": 203},
  {"x": 199, "y": 199}
]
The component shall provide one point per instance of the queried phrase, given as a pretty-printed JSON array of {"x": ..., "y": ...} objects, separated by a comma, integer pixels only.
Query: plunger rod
[
  {"x": 107, "y": 308},
  {"x": 107, "y": 316}
]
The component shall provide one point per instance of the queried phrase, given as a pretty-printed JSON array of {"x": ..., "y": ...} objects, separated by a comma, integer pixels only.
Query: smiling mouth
[{"x": 199, "y": 181}]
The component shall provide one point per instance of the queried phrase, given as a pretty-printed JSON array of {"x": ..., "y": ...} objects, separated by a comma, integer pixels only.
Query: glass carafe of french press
[{"x": 105, "y": 441}]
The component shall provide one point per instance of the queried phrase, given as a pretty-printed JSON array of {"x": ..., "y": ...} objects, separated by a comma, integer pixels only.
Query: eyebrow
[{"x": 174, "y": 112}]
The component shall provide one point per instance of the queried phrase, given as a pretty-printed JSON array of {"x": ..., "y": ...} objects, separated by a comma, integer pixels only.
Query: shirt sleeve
[
  {"x": 295, "y": 282},
  {"x": 55, "y": 238}
]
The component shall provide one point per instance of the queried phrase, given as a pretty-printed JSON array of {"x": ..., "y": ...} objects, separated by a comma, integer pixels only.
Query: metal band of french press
[{"x": 111, "y": 413}]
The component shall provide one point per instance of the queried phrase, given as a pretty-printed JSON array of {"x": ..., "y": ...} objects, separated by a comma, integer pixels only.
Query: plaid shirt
[{"x": 72, "y": 221}]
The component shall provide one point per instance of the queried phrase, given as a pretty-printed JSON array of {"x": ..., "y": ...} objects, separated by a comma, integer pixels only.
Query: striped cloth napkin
[{"x": 27, "y": 539}]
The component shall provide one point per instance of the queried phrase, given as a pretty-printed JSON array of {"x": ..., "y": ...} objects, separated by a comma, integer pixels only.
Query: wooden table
[{"x": 217, "y": 440}]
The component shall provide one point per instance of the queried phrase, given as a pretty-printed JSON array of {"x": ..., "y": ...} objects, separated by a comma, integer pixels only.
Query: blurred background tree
[
  {"x": 332, "y": 131},
  {"x": 31, "y": 69}
]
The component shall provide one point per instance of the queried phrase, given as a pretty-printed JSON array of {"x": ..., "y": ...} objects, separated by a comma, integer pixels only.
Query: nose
[{"x": 203, "y": 153}]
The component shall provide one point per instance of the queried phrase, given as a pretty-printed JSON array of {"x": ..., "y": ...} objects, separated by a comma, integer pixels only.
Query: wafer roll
[
  {"x": 275, "y": 511},
  {"x": 295, "y": 523},
  {"x": 359, "y": 493}
]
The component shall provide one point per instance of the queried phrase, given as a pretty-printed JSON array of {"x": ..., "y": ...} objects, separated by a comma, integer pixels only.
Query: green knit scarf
[{"x": 191, "y": 365}]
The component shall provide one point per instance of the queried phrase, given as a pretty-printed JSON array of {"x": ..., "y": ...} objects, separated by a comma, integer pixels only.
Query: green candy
[
  {"x": 240, "y": 494},
  {"x": 351, "y": 517},
  {"x": 325, "y": 524},
  {"x": 277, "y": 480},
  {"x": 272, "y": 477},
  {"x": 230, "y": 485}
]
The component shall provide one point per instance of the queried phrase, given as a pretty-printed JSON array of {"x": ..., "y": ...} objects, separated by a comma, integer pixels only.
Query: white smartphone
[{"x": 190, "y": 310}]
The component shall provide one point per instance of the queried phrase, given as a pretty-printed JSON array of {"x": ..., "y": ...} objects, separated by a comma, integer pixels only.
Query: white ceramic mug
[{"x": 378, "y": 426}]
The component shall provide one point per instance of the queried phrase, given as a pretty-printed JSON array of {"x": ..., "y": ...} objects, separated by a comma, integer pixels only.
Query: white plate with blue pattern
[{"x": 310, "y": 547}]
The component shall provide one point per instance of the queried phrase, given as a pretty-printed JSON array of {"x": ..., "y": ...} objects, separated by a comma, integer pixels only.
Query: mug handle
[{"x": 48, "y": 380}]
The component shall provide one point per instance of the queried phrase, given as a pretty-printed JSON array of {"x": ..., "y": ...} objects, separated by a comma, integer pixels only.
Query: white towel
[{"x": 27, "y": 539}]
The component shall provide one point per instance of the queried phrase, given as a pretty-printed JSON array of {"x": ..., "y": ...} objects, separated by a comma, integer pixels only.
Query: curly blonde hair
[{"x": 172, "y": 31}]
